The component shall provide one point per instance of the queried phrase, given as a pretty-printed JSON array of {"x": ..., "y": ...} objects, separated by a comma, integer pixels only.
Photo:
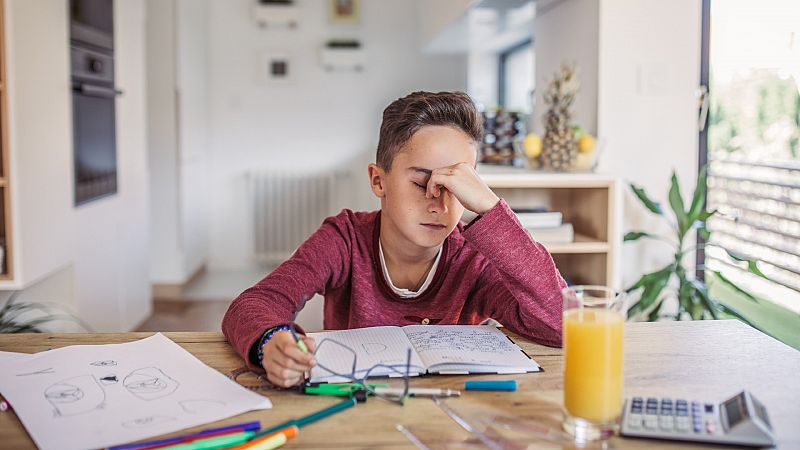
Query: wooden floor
[{"x": 184, "y": 315}]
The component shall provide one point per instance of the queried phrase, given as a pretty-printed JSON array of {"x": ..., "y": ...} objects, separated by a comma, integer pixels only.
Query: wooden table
[{"x": 704, "y": 359}]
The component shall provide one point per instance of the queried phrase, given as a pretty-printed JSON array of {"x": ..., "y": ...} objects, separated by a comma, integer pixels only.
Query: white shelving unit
[{"x": 590, "y": 202}]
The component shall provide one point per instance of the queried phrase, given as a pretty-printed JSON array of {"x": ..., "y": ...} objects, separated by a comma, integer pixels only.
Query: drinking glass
[{"x": 593, "y": 322}]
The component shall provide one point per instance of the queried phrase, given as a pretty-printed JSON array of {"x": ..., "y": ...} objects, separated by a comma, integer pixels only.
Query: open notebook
[{"x": 442, "y": 349}]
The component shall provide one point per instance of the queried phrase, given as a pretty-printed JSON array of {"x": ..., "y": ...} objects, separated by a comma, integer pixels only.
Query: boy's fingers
[
  {"x": 284, "y": 377},
  {"x": 284, "y": 362},
  {"x": 292, "y": 351},
  {"x": 310, "y": 343}
]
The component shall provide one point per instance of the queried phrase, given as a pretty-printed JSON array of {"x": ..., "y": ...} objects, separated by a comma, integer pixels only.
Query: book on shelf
[
  {"x": 538, "y": 217},
  {"x": 435, "y": 349},
  {"x": 561, "y": 234}
]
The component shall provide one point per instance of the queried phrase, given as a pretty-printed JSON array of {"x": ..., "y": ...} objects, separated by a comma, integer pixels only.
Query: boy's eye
[{"x": 421, "y": 186}]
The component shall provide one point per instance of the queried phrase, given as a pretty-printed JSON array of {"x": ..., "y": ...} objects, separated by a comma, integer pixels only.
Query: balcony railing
[{"x": 759, "y": 218}]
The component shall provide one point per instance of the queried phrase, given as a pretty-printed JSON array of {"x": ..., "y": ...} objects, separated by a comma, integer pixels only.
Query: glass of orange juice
[{"x": 593, "y": 322}]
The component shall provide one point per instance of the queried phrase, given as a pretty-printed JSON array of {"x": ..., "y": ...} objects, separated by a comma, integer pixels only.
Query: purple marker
[{"x": 247, "y": 426}]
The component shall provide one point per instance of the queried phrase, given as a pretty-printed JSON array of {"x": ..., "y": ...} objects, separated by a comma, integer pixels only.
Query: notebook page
[
  {"x": 469, "y": 348},
  {"x": 372, "y": 346}
]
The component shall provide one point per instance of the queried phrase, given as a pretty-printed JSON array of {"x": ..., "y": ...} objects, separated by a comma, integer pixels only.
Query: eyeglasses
[{"x": 349, "y": 372}]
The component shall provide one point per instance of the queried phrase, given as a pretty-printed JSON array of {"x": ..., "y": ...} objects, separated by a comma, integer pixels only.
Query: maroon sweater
[{"x": 489, "y": 268}]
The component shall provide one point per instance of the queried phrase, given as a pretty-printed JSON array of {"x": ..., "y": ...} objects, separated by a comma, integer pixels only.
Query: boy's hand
[
  {"x": 284, "y": 362},
  {"x": 464, "y": 183}
]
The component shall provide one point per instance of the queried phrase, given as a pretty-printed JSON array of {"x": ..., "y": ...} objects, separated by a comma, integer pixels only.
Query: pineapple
[{"x": 559, "y": 148}]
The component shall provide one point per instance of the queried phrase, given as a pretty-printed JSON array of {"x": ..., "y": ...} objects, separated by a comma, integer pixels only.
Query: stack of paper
[
  {"x": 538, "y": 218},
  {"x": 96, "y": 396},
  {"x": 553, "y": 235},
  {"x": 545, "y": 226}
]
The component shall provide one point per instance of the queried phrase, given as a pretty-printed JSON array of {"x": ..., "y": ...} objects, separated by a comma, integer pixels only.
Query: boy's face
[{"x": 415, "y": 220}]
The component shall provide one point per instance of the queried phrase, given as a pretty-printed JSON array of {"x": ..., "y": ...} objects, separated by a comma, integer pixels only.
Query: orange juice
[{"x": 593, "y": 364}]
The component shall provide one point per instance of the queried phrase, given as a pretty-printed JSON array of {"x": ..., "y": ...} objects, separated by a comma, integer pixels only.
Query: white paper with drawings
[
  {"x": 372, "y": 346},
  {"x": 95, "y": 396},
  {"x": 468, "y": 348}
]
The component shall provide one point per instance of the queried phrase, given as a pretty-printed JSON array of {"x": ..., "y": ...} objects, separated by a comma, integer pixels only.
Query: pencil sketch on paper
[
  {"x": 104, "y": 363},
  {"x": 146, "y": 421},
  {"x": 37, "y": 372},
  {"x": 108, "y": 379},
  {"x": 76, "y": 395},
  {"x": 373, "y": 348},
  {"x": 200, "y": 405},
  {"x": 150, "y": 383}
]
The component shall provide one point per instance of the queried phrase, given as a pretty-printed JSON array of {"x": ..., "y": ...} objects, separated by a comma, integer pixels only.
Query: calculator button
[
  {"x": 650, "y": 422},
  {"x": 635, "y": 420},
  {"x": 709, "y": 408},
  {"x": 682, "y": 424},
  {"x": 666, "y": 423}
]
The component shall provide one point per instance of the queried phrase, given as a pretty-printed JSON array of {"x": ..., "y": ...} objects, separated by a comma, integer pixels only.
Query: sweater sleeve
[
  {"x": 321, "y": 262},
  {"x": 521, "y": 286}
]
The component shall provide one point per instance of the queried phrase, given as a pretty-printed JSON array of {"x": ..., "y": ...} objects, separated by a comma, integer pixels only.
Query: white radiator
[{"x": 289, "y": 207}]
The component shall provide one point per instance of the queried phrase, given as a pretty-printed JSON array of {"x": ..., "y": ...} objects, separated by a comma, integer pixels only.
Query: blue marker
[{"x": 496, "y": 385}]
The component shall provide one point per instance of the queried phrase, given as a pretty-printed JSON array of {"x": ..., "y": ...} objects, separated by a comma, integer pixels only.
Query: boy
[{"x": 411, "y": 261}]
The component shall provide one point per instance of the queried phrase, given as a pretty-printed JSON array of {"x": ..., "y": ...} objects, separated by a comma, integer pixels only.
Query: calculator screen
[{"x": 735, "y": 410}]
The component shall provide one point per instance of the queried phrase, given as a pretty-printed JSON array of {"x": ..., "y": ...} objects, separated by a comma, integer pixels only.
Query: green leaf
[
  {"x": 699, "y": 197},
  {"x": 653, "y": 285},
  {"x": 735, "y": 255},
  {"x": 724, "y": 280},
  {"x": 653, "y": 316},
  {"x": 684, "y": 297},
  {"x": 649, "y": 278},
  {"x": 704, "y": 233},
  {"x": 634, "y": 235},
  {"x": 752, "y": 266},
  {"x": 645, "y": 199},
  {"x": 676, "y": 202},
  {"x": 704, "y": 215},
  {"x": 701, "y": 290},
  {"x": 735, "y": 313}
]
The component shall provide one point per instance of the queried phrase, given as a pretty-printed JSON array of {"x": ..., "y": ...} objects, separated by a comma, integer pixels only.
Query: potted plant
[
  {"x": 19, "y": 317},
  {"x": 692, "y": 295}
]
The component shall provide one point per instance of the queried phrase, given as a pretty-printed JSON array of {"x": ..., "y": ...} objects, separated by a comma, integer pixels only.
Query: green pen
[
  {"x": 339, "y": 390},
  {"x": 213, "y": 443}
]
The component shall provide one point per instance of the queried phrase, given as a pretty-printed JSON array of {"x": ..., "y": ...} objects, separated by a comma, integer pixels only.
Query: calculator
[{"x": 740, "y": 420}]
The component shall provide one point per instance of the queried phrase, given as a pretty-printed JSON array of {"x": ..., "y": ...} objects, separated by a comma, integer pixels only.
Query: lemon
[
  {"x": 586, "y": 143},
  {"x": 533, "y": 145}
]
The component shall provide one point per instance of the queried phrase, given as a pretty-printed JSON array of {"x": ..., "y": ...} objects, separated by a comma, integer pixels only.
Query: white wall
[
  {"x": 94, "y": 256},
  {"x": 177, "y": 71},
  {"x": 567, "y": 31},
  {"x": 649, "y": 70},
  {"x": 318, "y": 120}
]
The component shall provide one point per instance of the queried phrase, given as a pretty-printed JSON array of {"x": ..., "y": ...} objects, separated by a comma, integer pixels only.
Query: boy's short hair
[{"x": 405, "y": 116}]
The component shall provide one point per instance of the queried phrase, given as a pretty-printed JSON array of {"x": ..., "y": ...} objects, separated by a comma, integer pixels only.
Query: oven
[{"x": 93, "y": 99}]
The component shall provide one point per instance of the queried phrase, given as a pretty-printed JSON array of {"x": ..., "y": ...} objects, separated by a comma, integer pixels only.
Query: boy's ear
[{"x": 376, "y": 180}]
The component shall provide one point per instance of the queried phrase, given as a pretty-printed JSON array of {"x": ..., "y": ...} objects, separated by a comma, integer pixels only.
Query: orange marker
[{"x": 270, "y": 441}]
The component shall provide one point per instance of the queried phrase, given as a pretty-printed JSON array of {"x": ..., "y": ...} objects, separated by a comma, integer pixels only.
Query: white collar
[{"x": 407, "y": 293}]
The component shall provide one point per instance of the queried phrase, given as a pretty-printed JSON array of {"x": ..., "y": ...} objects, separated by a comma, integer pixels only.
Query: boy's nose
[{"x": 439, "y": 204}]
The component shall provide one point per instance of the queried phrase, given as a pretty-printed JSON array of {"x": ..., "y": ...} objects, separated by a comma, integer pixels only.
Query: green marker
[
  {"x": 339, "y": 390},
  {"x": 303, "y": 421}
]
